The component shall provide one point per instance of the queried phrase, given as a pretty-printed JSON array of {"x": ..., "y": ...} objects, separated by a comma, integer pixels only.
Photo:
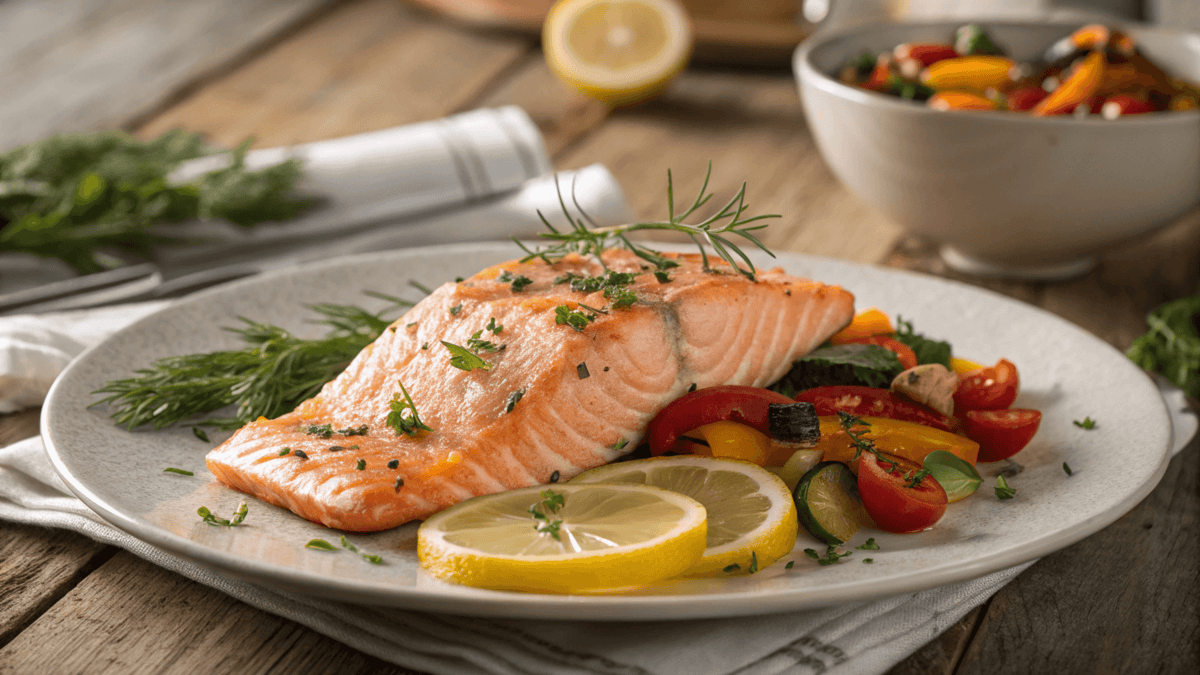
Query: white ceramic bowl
[{"x": 1005, "y": 193}]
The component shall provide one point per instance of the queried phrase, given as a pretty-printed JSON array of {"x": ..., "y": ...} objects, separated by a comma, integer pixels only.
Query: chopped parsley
[
  {"x": 320, "y": 431},
  {"x": 565, "y": 316},
  {"x": 361, "y": 465},
  {"x": 285, "y": 451},
  {"x": 549, "y": 505},
  {"x": 870, "y": 545},
  {"x": 493, "y": 326},
  {"x": 181, "y": 472},
  {"x": 513, "y": 399},
  {"x": 355, "y": 431},
  {"x": 199, "y": 433},
  {"x": 790, "y": 565},
  {"x": 868, "y": 561},
  {"x": 1087, "y": 423},
  {"x": 621, "y": 298},
  {"x": 454, "y": 311},
  {"x": 335, "y": 448},
  {"x": 518, "y": 282},
  {"x": 1067, "y": 468},
  {"x": 213, "y": 519},
  {"x": 733, "y": 567},
  {"x": 465, "y": 359},
  {"x": 477, "y": 344},
  {"x": 620, "y": 444},
  {"x": 404, "y": 417},
  {"x": 831, "y": 555},
  {"x": 1003, "y": 491}
]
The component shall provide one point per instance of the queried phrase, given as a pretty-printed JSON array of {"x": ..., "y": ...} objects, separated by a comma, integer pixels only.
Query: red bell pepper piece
[
  {"x": 1119, "y": 105},
  {"x": 872, "y": 402},
  {"x": 1025, "y": 98},
  {"x": 729, "y": 403}
]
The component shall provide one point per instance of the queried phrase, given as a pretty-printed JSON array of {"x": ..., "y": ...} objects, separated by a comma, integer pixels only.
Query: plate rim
[{"x": 500, "y": 604}]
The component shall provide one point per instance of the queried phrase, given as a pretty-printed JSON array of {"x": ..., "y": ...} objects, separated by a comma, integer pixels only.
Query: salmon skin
[{"x": 558, "y": 398}]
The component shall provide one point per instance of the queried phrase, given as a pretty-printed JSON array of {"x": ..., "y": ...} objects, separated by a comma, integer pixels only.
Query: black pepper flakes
[
  {"x": 399, "y": 482},
  {"x": 582, "y": 370},
  {"x": 606, "y": 369},
  {"x": 692, "y": 388},
  {"x": 300, "y": 453},
  {"x": 394, "y": 464},
  {"x": 554, "y": 477}
]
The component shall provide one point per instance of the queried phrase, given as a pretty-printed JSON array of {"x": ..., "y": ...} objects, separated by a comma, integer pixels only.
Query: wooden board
[{"x": 75, "y": 65}]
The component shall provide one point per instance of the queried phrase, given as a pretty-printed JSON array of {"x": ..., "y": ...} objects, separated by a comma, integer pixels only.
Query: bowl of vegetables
[{"x": 1024, "y": 149}]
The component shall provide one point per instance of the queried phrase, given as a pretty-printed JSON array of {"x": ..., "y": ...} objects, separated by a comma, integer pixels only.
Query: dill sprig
[
  {"x": 714, "y": 231},
  {"x": 271, "y": 375}
]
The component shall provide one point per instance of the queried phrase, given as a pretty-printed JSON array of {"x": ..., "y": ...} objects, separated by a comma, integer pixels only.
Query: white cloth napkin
[{"x": 867, "y": 637}]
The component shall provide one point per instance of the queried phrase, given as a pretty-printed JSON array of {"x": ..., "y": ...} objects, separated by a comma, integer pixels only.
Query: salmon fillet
[{"x": 586, "y": 395}]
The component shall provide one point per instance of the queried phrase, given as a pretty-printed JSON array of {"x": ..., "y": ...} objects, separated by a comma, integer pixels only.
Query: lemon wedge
[
  {"x": 751, "y": 514},
  {"x": 588, "y": 537},
  {"x": 617, "y": 51}
]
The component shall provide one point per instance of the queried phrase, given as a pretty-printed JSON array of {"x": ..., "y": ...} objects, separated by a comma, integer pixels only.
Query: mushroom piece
[{"x": 932, "y": 384}]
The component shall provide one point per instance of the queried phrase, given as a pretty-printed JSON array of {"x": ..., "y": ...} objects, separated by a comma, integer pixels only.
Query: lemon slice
[
  {"x": 609, "y": 536},
  {"x": 617, "y": 51},
  {"x": 751, "y": 514}
]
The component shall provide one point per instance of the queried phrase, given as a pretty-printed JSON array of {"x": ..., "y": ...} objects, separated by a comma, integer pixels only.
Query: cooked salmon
[{"x": 563, "y": 387}]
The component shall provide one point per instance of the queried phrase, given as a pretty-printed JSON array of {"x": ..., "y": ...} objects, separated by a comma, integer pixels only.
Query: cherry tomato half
[
  {"x": 861, "y": 401},
  {"x": 1001, "y": 433},
  {"x": 908, "y": 358},
  {"x": 747, "y": 405},
  {"x": 893, "y": 505},
  {"x": 991, "y": 388}
]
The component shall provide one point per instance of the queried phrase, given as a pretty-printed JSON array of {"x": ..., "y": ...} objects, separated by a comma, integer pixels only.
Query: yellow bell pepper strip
[
  {"x": 961, "y": 100},
  {"x": 738, "y": 441},
  {"x": 865, "y": 324},
  {"x": 975, "y": 73},
  {"x": 963, "y": 366},
  {"x": 1077, "y": 88},
  {"x": 906, "y": 440}
]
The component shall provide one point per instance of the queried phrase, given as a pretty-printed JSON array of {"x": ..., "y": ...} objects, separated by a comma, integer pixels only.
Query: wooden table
[{"x": 1126, "y": 599}]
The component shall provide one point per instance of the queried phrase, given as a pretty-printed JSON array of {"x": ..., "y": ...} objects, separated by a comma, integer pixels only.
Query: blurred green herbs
[
  {"x": 1172, "y": 345},
  {"x": 74, "y": 196}
]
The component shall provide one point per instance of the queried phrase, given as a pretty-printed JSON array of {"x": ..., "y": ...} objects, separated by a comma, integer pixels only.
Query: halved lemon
[
  {"x": 617, "y": 51},
  {"x": 751, "y": 515},
  {"x": 596, "y": 537}
]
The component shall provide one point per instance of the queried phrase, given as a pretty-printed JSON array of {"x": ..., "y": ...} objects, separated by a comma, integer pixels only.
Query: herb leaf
[
  {"x": 373, "y": 559},
  {"x": 564, "y": 315},
  {"x": 465, "y": 359},
  {"x": 404, "y": 417},
  {"x": 213, "y": 519},
  {"x": 320, "y": 544},
  {"x": 181, "y": 472},
  {"x": 1171, "y": 346},
  {"x": 954, "y": 474},
  {"x": 1003, "y": 491},
  {"x": 927, "y": 350},
  {"x": 1087, "y": 423}
]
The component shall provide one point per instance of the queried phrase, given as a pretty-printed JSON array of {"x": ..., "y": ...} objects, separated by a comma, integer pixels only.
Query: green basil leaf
[{"x": 955, "y": 475}]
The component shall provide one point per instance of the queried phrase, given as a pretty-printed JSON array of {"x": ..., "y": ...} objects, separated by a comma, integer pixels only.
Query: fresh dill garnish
[
  {"x": 373, "y": 559},
  {"x": 1087, "y": 423},
  {"x": 714, "y": 231},
  {"x": 465, "y": 359},
  {"x": 549, "y": 505},
  {"x": 213, "y": 519},
  {"x": 270, "y": 376},
  {"x": 320, "y": 545},
  {"x": 76, "y": 196},
  {"x": 513, "y": 399},
  {"x": 199, "y": 433},
  {"x": 494, "y": 327},
  {"x": 1003, "y": 491},
  {"x": 404, "y": 417},
  {"x": 181, "y": 472}
]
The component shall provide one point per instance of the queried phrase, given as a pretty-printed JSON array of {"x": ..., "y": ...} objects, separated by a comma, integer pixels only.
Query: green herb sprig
[
  {"x": 271, "y": 375},
  {"x": 373, "y": 559},
  {"x": 1171, "y": 346},
  {"x": 213, "y": 519},
  {"x": 714, "y": 231},
  {"x": 549, "y": 505},
  {"x": 77, "y": 196},
  {"x": 404, "y": 417}
]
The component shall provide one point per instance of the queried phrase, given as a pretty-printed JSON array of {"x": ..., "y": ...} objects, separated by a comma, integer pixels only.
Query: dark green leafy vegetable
[
  {"x": 71, "y": 196},
  {"x": 268, "y": 377},
  {"x": 852, "y": 364},
  {"x": 927, "y": 350},
  {"x": 971, "y": 39},
  {"x": 1172, "y": 345}
]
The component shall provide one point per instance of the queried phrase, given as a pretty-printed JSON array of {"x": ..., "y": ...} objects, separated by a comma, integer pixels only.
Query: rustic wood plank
[
  {"x": 1121, "y": 601},
  {"x": 19, "y": 425},
  {"x": 368, "y": 65},
  {"x": 74, "y": 65},
  {"x": 130, "y": 616},
  {"x": 942, "y": 655},
  {"x": 751, "y": 126}
]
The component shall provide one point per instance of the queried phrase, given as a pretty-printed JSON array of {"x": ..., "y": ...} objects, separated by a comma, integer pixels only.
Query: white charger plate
[{"x": 1066, "y": 373}]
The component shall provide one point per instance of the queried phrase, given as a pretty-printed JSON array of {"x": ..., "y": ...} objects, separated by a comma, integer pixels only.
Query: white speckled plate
[{"x": 1065, "y": 372}]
